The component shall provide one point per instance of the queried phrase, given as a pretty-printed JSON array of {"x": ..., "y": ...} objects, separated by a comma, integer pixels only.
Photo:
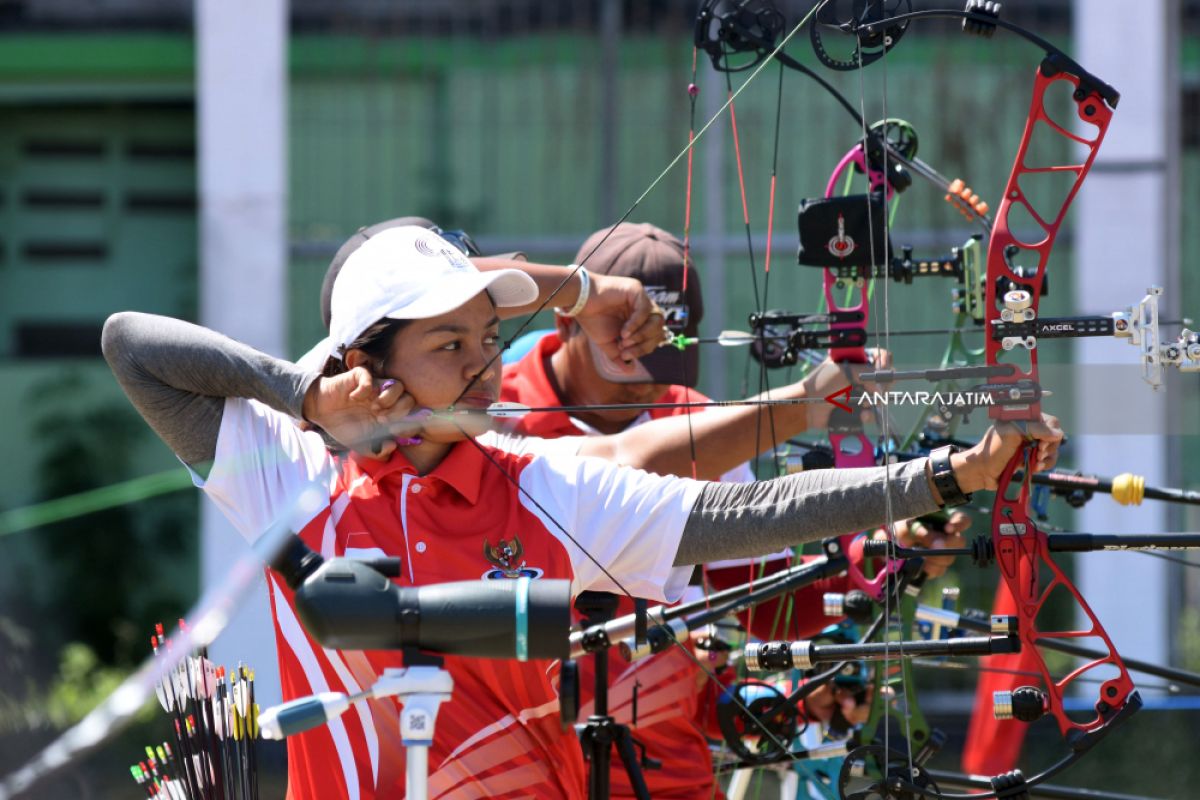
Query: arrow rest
[
  {"x": 886, "y": 139},
  {"x": 781, "y": 337},
  {"x": 1020, "y": 278},
  {"x": 772, "y": 347}
]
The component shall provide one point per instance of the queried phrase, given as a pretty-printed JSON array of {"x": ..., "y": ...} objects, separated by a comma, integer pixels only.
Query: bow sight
[{"x": 850, "y": 236}]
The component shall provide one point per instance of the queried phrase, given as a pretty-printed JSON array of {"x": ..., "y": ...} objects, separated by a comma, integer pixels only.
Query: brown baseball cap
[
  {"x": 457, "y": 238},
  {"x": 655, "y": 257}
]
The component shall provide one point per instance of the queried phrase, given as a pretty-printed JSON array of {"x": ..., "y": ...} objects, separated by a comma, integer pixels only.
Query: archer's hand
[
  {"x": 981, "y": 466},
  {"x": 821, "y": 704},
  {"x": 829, "y": 377},
  {"x": 360, "y": 412},
  {"x": 621, "y": 318},
  {"x": 914, "y": 533}
]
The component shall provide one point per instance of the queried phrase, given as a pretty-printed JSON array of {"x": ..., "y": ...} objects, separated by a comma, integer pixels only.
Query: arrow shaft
[{"x": 501, "y": 411}]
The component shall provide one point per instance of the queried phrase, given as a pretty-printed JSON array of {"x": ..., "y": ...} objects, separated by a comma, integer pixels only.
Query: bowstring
[
  {"x": 687, "y": 150},
  {"x": 781, "y": 625},
  {"x": 693, "y": 92},
  {"x": 884, "y": 418},
  {"x": 760, "y": 299}
]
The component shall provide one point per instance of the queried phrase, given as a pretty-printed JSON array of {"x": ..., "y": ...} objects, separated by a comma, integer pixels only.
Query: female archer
[{"x": 414, "y": 328}]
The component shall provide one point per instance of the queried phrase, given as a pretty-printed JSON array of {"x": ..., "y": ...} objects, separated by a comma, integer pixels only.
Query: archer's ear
[
  {"x": 358, "y": 358},
  {"x": 566, "y": 327}
]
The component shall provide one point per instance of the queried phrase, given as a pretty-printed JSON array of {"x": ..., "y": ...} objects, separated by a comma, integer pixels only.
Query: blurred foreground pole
[
  {"x": 1126, "y": 225},
  {"x": 711, "y": 263},
  {"x": 241, "y": 93}
]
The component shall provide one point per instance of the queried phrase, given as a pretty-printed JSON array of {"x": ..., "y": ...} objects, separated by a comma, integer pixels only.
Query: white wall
[
  {"x": 241, "y": 92},
  {"x": 1126, "y": 224}
]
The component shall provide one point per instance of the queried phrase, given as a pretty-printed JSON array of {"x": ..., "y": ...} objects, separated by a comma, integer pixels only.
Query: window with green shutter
[{"x": 97, "y": 214}]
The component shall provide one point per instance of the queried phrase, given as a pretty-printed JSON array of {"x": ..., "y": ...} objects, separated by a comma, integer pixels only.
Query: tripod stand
[
  {"x": 602, "y": 731},
  {"x": 421, "y": 686}
]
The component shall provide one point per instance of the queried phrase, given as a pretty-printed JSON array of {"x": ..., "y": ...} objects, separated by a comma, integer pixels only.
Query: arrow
[
  {"x": 724, "y": 338},
  {"x": 509, "y": 410}
]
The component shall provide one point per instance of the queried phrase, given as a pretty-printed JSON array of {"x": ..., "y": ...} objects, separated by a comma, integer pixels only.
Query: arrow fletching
[
  {"x": 735, "y": 338},
  {"x": 206, "y": 678},
  {"x": 507, "y": 410}
]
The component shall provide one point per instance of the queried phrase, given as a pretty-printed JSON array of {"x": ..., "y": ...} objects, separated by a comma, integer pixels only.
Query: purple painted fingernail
[
  {"x": 408, "y": 441},
  {"x": 389, "y": 383},
  {"x": 420, "y": 414}
]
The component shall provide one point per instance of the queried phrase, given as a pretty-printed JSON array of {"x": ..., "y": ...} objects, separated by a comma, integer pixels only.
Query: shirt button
[
  {"x": 416, "y": 488},
  {"x": 420, "y": 547}
]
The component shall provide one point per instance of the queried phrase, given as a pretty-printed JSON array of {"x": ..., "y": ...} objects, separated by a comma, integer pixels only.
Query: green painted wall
[
  {"x": 98, "y": 204},
  {"x": 502, "y": 138},
  {"x": 97, "y": 214}
]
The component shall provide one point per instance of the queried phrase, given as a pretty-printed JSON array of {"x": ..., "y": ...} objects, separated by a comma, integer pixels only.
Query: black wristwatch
[{"x": 943, "y": 477}]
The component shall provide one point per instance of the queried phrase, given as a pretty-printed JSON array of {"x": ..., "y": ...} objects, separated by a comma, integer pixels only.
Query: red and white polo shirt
[
  {"x": 670, "y": 686},
  {"x": 675, "y": 697},
  {"x": 499, "y": 735}
]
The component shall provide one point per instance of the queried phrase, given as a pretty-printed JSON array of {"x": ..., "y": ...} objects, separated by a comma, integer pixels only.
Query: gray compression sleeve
[
  {"x": 178, "y": 375},
  {"x": 740, "y": 520}
]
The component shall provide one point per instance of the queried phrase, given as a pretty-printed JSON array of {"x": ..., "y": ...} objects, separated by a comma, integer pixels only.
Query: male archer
[{"x": 675, "y": 697}]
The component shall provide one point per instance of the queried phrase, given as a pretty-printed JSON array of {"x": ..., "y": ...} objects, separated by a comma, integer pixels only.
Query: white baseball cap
[{"x": 410, "y": 272}]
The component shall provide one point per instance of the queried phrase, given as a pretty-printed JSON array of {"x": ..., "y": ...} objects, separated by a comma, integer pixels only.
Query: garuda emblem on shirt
[{"x": 507, "y": 557}]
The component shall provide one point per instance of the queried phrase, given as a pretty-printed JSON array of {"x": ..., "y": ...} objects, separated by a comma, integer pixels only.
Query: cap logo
[
  {"x": 676, "y": 311},
  {"x": 435, "y": 247}
]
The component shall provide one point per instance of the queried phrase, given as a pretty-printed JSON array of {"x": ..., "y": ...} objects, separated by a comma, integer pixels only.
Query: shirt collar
[
  {"x": 533, "y": 367},
  {"x": 461, "y": 469},
  {"x": 531, "y": 385}
]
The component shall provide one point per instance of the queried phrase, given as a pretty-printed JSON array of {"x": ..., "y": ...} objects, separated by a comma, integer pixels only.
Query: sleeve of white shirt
[
  {"x": 531, "y": 445},
  {"x": 627, "y": 520},
  {"x": 266, "y": 470}
]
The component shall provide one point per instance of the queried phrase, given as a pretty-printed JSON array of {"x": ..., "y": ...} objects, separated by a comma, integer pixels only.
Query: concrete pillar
[
  {"x": 241, "y": 92},
  {"x": 1126, "y": 227}
]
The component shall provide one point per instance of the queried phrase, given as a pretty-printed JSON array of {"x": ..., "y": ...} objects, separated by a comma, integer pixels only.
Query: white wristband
[{"x": 585, "y": 291}]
